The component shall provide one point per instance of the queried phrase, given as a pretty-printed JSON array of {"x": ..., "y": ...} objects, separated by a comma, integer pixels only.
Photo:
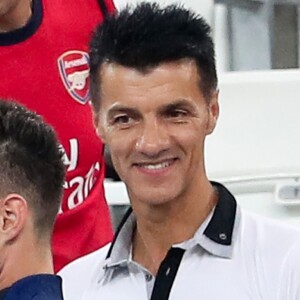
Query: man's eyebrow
[
  {"x": 118, "y": 108},
  {"x": 180, "y": 103}
]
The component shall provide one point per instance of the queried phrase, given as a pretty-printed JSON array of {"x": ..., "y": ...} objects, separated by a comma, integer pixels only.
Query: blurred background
[{"x": 255, "y": 149}]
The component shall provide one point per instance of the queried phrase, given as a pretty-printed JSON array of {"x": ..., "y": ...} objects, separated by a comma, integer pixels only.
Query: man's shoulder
[
  {"x": 256, "y": 221},
  {"x": 92, "y": 260},
  {"x": 80, "y": 273},
  {"x": 290, "y": 275},
  {"x": 38, "y": 286},
  {"x": 267, "y": 233}
]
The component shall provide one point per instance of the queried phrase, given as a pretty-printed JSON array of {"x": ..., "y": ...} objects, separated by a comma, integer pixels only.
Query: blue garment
[{"x": 35, "y": 287}]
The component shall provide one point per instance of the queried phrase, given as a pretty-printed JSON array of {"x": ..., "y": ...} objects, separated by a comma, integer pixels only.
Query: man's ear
[
  {"x": 213, "y": 112},
  {"x": 13, "y": 215},
  {"x": 98, "y": 126}
]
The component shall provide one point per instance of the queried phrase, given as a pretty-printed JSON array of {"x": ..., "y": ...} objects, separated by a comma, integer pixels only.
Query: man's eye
[
  {"x": 177, "y": 113},
  {"x": 122, "y": 119}
]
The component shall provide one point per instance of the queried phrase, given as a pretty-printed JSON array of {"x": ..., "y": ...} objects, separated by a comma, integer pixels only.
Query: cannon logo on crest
[{"x": 74, "y": 71}]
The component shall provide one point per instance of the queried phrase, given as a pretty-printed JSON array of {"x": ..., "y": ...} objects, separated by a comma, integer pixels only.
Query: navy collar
[
  {"x": 41, "y": 286},
  {"x": 3, "y": 293}
]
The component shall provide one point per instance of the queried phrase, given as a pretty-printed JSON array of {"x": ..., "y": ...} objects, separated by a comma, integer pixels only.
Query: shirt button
[
  {"x": 223, "y": 236},
  {"x": 148, "y": 277}
]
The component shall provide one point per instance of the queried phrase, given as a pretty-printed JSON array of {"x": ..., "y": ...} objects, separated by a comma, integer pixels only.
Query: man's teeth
[{"x": 156, "y": 166}]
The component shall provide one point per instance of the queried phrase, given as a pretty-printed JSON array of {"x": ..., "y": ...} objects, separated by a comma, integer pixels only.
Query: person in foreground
[
  {"x": 31, "y": 186},
  {"x": 155, "y": 99}
]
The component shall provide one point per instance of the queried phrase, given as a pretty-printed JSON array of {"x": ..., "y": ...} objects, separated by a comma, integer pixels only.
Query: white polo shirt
[{"x": 234, "y": 255}]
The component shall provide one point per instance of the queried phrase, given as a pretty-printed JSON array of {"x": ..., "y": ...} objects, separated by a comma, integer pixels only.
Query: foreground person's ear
[{"x": 13, "y": 215}]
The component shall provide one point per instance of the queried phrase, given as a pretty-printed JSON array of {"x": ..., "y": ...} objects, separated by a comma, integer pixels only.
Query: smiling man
[
  {"x": 155, "y": 99},
  {"x": 147, "y": 128}
]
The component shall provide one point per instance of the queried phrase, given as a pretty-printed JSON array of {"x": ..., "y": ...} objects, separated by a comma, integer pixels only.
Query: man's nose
[{"x": 154, "y": 138}]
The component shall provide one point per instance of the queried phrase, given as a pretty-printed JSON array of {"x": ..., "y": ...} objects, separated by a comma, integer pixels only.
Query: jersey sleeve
[{"x": 110, "y": 5}]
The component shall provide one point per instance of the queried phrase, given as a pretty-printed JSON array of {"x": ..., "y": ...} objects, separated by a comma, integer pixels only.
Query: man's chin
[{"x": 153, "y": 199}]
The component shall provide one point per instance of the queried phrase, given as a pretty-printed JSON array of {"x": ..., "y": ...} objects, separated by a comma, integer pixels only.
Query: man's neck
[
  {"x": 15, "y": 17},
  {"x": 163, "y": 226},
  {"x": 22, "y": 262}
]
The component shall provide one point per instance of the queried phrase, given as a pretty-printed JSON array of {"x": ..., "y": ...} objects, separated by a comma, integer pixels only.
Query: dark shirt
[{"x": 35, "y": 287}]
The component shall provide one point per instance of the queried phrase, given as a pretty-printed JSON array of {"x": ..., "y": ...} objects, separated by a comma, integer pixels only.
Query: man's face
[{"x": 155, "y": 124}]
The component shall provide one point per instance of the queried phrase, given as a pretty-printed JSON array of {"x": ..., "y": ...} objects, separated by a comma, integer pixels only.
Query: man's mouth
[{"x": 156, "y": 166}]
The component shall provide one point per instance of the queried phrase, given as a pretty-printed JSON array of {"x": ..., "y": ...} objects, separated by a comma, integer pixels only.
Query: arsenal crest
[{"x": 74, "y": 71}]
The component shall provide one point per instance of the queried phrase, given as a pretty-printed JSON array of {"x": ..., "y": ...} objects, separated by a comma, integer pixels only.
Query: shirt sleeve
[{"x": 289, "y": 288}]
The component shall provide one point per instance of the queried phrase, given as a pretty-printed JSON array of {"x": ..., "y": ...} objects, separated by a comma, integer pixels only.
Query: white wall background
[{"x": 205, "y": 7}]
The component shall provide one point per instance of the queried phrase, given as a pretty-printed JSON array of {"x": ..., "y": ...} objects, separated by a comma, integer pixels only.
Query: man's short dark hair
[
  {"x": 31, "y": 163},
  {"x": 146, "y": 36}
]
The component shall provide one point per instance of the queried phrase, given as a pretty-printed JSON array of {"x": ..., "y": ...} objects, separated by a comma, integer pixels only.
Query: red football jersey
[{"x": 45, "y": 67}]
